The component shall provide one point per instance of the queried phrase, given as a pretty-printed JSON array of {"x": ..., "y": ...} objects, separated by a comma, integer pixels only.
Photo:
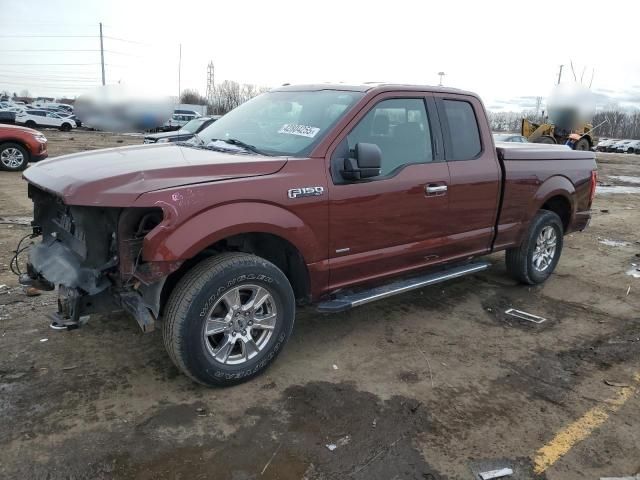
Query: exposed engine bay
[{"x": 94, "y": 255}]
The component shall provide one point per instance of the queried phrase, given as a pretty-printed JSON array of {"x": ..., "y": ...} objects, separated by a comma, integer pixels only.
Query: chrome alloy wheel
[
  {"x": 545, "y": 250},
  {"x": 240, "y": 324},
  {"x": 11, "y": 157}
]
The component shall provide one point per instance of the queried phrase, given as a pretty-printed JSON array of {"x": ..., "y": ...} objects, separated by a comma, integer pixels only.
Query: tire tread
[{"x": 184, "y": 294}]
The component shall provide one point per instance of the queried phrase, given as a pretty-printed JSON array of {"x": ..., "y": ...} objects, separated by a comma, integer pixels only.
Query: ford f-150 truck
[{"x": 332, "y": 195}]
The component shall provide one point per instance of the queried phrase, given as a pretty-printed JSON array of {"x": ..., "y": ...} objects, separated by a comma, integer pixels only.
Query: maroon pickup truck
[{"x": 332, "y": 195}]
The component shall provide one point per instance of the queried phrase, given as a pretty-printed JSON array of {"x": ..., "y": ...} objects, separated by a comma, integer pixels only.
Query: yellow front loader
[{"x": 578, "y": 139}]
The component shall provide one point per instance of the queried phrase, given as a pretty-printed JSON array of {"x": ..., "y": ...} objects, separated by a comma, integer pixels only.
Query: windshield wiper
[
  {"x": 198, "y": 138},
  {"x": 240, "y": 143}
]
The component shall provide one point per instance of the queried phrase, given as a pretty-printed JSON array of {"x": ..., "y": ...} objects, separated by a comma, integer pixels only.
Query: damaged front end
[{"x": 94, "y": 255}]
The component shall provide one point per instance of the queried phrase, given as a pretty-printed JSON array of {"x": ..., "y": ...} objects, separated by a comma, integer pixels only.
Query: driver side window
[{"x": 400, "y": 128}]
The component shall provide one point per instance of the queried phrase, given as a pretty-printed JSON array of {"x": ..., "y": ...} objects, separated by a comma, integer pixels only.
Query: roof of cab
[{"x": 370, "y": 86}]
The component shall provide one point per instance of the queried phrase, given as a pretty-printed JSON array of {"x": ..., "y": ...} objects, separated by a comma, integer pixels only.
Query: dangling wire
[{"x": 14, "y": 265}]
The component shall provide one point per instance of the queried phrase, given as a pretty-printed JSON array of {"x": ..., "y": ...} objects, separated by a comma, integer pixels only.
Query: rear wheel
[
  {"x": 31, "y": 124},
  {"x": 538, "y": 254},
  {"x": 228, "y": 318},
  {"x": 582, "y": 144},
  {"x": 13, "y": 157}
]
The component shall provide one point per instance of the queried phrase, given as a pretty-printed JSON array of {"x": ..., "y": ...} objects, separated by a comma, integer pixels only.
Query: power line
[
  {"x": 47, "y": 82},
  {"x": 44, "y": 87},
  {"x": 46, "y": 76},
  {"x": 48, "y": 36},
  {"x": 125, "y": 40},
  {"x": 50, "y": 50},
  {"x": 43, "y": 64}
]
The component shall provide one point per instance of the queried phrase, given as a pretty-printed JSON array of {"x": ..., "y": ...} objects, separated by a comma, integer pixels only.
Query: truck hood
[{"x": 116, "y": 177}]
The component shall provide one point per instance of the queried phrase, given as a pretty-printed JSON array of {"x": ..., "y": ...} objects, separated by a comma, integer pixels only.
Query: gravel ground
[{"x": 434, "y": 384}]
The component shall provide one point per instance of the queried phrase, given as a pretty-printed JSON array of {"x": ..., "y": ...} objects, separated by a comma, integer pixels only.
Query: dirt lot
[{"x": 434, "y": 384}]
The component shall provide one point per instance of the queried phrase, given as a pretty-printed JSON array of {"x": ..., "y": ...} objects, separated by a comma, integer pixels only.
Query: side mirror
[{"x": 366, "y": 164}]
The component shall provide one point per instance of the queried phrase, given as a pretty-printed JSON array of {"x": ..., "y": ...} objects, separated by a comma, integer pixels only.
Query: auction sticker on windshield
[{"x": 301, "y": 130}]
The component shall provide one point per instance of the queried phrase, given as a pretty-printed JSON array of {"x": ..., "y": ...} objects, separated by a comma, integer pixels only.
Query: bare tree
[
  {"x": 229, "y": 94},
  {"x": 192, "y": 97}
]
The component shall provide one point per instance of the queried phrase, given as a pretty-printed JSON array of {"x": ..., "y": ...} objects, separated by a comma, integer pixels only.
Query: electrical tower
[{"x": 210, "y": 82}]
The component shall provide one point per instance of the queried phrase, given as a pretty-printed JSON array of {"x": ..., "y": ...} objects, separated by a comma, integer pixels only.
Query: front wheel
[
  {"x": 65, "y": 127},
  {"x": 546, "y": 139},
  {"x": 538, "y": 254},
  {"x": 13, "y": 157},
  {"x": 582, "y": 145},
  {"x": 228, "y": 318}
]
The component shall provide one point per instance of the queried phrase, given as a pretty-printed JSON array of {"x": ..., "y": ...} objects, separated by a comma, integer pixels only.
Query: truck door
[
  {"x": 394, "y": 222},
  {"x": 474, "y": 189}
]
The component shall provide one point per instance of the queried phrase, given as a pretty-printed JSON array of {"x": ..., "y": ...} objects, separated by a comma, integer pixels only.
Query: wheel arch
[
  {"x": 274, "y": 248},
  {"x": 266, "y": 230},
  {"x": 556, "y": 194}
]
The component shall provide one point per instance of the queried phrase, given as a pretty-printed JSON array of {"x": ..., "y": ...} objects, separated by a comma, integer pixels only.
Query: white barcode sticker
[{"x": 300, "y": 130}]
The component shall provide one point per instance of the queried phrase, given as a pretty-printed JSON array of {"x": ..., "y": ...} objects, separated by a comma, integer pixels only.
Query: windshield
[
  {"x": 282, "y": 122},
  {"x": 193, "y": 125}
]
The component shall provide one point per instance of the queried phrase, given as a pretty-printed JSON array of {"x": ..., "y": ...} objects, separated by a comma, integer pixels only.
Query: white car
[
  {"x": 179, "y": 119},
  {"x": 43, "y": 118}
]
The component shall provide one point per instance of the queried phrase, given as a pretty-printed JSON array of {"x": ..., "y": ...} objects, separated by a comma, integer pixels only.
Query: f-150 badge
[{"x": 305, "y": 192}]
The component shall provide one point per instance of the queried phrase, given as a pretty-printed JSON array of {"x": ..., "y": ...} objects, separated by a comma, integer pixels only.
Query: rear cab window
[{"x": 462, "y": 126}]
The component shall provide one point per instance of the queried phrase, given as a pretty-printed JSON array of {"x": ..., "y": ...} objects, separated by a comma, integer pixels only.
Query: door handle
[{"x": 433, "y": 189}]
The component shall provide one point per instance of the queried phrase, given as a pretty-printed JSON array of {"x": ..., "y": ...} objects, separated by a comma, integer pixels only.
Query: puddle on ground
[
  {"x": 634, "y": 271},
  {"x": 613, "y": 243},
  {"x": 625, "y": 178},
  {"x": 16, "y": 220},
  {"x": 609, "y": 190}
]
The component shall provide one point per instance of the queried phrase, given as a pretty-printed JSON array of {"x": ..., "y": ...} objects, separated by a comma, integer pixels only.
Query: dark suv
[{"x": 185, "y": 133}]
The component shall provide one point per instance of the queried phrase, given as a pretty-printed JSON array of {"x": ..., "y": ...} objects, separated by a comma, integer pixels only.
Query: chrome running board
[{"x": 344, "y": 302}]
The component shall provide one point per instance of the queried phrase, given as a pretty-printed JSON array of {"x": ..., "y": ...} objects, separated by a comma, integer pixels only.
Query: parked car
[
  {"x": 333, "y": 195},
  {"x": 7, "y": 116},
  {"x": 614, "y": 147},
  {"x": 70, "y": 116},
  {"x": 604, "y": 144},
  {"x": 19, "y": 146},
  {"x": 508, "y": 137},
  {"x": 185, "y": 133},
  {"x": 44, "y": 118},
  {"x": 629, "y": 146},
  {"x": 179, "y": 119}
]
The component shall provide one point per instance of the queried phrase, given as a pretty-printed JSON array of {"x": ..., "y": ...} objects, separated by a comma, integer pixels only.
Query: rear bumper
[{"x": 580, "y": 221}]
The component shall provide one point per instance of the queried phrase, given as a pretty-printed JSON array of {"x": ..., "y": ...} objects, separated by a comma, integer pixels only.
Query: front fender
[{"x": 183, "y": 241}]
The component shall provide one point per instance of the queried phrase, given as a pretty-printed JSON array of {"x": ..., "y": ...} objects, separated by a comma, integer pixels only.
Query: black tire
[
  {"x": 582, "y": 145},
  {"x": 30, "y": 124},
  {"x": 7, "y": 163},
  {"x": 65, "y": 127},
  {"x": 520, "y": 260},
  {"x": 546, "y": 139},
  {"x": 200, "y": 290}
]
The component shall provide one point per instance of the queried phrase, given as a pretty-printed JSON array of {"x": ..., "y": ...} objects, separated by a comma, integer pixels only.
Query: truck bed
[
  {"x": 540, "y": 151},
  {"x": 532, "y": 172}
]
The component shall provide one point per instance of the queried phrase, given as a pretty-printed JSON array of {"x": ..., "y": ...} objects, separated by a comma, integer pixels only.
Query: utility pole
[
  {"x": 179, "y": 67},
  {"x": 560, "y": 74},
  {"x": 442, "y": 74},
  {"x": 102, "y": 54}
]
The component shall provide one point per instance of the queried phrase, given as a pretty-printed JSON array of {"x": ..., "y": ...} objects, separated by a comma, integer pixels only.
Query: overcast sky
[{"x": 509, "y": 52}]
